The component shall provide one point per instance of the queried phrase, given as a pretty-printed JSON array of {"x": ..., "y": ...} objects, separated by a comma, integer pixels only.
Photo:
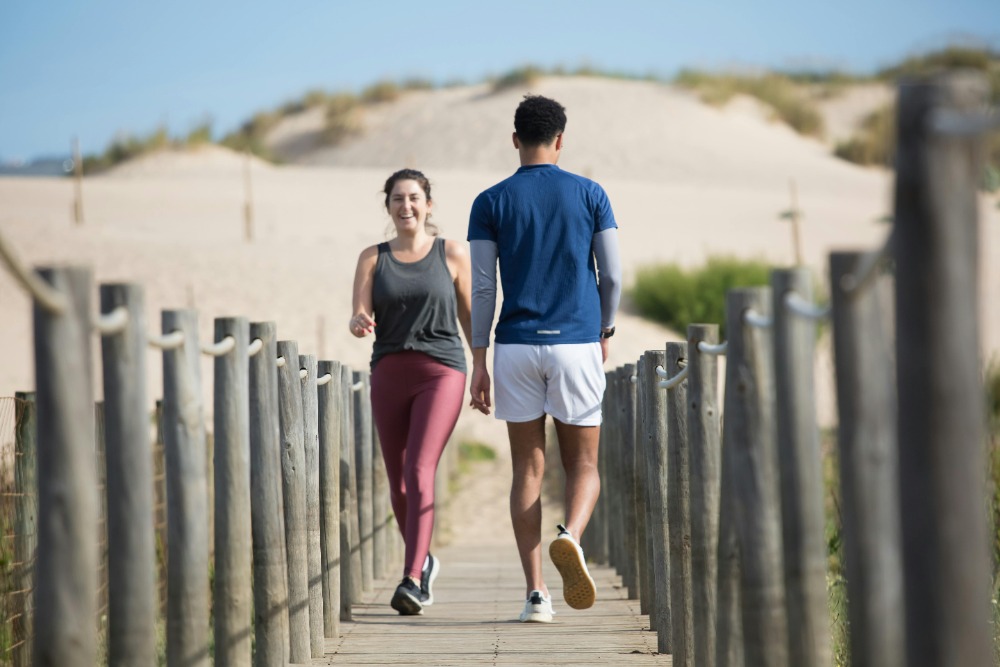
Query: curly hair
[
  {"x": 538, "y": 120},
  {"x": 422, "y": 181}
]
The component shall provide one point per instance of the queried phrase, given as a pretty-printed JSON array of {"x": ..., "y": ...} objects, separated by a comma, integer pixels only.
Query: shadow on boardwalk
[{"x": 479, "y": 595}]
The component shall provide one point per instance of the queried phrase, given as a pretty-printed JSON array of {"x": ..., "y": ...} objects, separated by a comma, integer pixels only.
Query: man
[{"x": 547, "y": 227}]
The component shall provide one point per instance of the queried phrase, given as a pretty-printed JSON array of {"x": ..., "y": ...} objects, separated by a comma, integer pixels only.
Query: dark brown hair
[{"x": 422, "y": 181}]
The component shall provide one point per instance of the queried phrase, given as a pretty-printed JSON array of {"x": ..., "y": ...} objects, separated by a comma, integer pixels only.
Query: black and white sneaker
[
  {"x": 406, "y": 599},
  {"x": 427, "y": 576}
]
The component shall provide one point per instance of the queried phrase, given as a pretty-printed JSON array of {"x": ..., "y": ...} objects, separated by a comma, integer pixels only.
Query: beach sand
[{"x": 686, "y": 181}]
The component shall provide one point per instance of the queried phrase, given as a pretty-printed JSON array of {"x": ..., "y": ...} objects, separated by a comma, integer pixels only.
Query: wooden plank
[
  {"x": 679, "y": 510},
  {"x": 310, "y": 441},
  {"x": 330, "y": 398}
]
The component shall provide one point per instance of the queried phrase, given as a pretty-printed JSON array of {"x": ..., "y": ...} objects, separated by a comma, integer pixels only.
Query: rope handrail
[
  {"x": 865, "y": 269},
  {"x": 322, "y": 380},
  {"x": 810, "y": 311},
  {"x": 47, "y": 296},
  {"x": 224, "y": 346},
  {"x": 169, "y": 341},
  {"x": 255, "y": 346},
  {"x": 672, "y": 382},
  {"x": 357, "y": 386},
  {"x": 303, "y": 373},
  {"x": 110, "y": 324},
  {"x": 964, "y": 123},
  {"x": 706, "y": 348},
  {"x": 754, "y": 319},
  {"x": 281, "y": 362}
]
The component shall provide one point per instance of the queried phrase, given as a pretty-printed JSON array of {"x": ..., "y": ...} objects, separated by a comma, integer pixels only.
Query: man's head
[{"x": 538, "y": 121}]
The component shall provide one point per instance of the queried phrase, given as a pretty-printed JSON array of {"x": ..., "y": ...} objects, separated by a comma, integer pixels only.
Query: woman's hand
[{"x": 361, "y": 325}]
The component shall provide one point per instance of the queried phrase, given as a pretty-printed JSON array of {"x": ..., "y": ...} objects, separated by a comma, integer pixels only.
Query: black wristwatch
[{"x": 607, "y": 333}]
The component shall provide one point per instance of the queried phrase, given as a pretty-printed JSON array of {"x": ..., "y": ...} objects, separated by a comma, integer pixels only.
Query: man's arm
[
  {"x": 484, "y": 300},
  {"x": 609, "y": 280}
]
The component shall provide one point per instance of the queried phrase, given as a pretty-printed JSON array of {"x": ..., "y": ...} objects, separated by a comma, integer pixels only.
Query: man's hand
[
  {"x": 479, "y": 387},
  {"x": 605, "y": 346}
]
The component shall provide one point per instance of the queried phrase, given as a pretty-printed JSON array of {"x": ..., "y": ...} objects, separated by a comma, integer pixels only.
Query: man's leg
[
  {"x": 527, "y": 449},
  {"x": 578, "y": 450}
]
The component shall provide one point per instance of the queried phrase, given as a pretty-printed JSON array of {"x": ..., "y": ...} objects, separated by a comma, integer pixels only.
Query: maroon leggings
[{"x": 415, "y": 403}]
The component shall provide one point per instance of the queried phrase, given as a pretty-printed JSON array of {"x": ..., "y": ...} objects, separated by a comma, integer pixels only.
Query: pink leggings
[{"x": 415, "y": 403}]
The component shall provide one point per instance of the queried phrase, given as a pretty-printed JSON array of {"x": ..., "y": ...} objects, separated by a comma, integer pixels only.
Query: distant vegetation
[
  {"x": 792, "y": 95},
  {"x": 873, "y": 143},
  {"x": 790, "y": 100},
  {"x": 677, "y": 297},
  {"x": 127, "y": 147}
]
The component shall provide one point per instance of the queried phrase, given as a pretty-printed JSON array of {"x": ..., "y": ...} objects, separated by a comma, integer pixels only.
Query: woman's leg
[
  {"x": 392, "y": 398},
  {"x": 433, "y": 414}
]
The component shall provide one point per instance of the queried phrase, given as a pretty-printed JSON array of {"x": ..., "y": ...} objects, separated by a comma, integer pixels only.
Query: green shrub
[
  {"x": 874, "y": 142},
  {"x": 382, "y": 91},
  {"x": 520, "y": 77},
  {"x": 789, "y": 101},
  {"x": 199, "y": 135},
  {"x": 343, "y": 118},
  {"x": 677, "y": 298}
]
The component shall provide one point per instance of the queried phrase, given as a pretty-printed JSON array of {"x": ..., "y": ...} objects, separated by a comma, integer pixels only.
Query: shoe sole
[
  {"x": 536, "y": 618},
  {"x": 435, "y": 568},
  {"x": 406, "y": 605},
  {"x": 579, "y": 590}
]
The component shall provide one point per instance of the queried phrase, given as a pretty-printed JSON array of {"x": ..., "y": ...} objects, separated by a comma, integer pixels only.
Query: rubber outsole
[
  {"x": 536, "y": 618},
  {"x": 406, "y": 605},
  {"x": 579, "y": 590}
]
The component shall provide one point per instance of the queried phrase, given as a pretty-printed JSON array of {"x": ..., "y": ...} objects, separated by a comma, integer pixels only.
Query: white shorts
[{"x": 565, "y": 381}]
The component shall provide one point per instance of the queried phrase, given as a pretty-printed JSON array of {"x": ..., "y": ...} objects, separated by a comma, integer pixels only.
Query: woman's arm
[
  {"x": 362, "y": 321},
  {"x": 461, "y": 273}
]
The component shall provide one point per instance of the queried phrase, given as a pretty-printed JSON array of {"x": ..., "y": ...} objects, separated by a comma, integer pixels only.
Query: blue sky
[{"x": 93, "y": 69}]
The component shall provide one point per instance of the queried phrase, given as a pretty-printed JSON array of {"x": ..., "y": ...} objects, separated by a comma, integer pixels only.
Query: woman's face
[{"x": 408, "y": 206}]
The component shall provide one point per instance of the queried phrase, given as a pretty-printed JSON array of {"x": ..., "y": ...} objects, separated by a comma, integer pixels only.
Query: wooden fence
[
  {"x": 287, "y": 505},
  {"x": 717, "y": 525}
]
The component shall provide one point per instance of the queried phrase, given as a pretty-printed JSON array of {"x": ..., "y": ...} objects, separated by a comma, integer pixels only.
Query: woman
[{"x": 415, "y": 287}]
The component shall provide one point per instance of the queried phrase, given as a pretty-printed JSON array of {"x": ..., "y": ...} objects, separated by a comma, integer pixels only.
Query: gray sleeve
[
  {"x": 609, "y": 274},
  {"x": 484, "y": 290}
]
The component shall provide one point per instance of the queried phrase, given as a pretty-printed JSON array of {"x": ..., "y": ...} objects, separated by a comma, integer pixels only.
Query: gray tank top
[{"x": 415, "y": 307}]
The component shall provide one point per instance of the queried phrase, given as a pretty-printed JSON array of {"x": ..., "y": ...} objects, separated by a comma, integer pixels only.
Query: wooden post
[
  {"x": 801, "y": 475},
  {"x": 630, "y": 499},
  {"x": 293, "y": 476},
  {"x": 25, "y": 520},
  {"x": 187, "y": 495},
  {"x": 310, "y": 439},
  {"x": 866, "y": 402},
  {"x": 270, "y": 569},
  {"x": 381, "y": 510},
  {"x": 330, "y": 398},
  {"x": 655, "y": 427},
  {"x": 728, "y": 614},
  {"x": 129, "y": 465},
  {"x": 233, "y": 538},
  {"x": 77, "y": 182},
  {"x": 645, "y": 573},
  {"x": 679, "y": 510},
  {"x": 350, "y": 553},
  {"x": 942, "y": 420},
  {"x": 704, "y": 425},
  {"x": 66, "y": 562},
  {"x": 750, "y": 409},
  {"x": 615, "y": 506},
  {"x": 363, "y": 458}
]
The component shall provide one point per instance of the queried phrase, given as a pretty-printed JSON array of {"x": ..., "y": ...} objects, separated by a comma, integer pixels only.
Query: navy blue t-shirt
[{"x": 543, "y": 220}]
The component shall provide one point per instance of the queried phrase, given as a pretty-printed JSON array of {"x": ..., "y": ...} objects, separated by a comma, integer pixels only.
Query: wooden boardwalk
[{"x": 478, "y": 597}]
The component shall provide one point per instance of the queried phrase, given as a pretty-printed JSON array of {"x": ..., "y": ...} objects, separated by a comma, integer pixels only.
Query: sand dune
[{"x": 686, "y": 181}]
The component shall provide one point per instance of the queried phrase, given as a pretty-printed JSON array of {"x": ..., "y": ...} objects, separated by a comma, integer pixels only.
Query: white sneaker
[
  {"x": 537, "y": 609},
  {"x": 579, "y": 590}
]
